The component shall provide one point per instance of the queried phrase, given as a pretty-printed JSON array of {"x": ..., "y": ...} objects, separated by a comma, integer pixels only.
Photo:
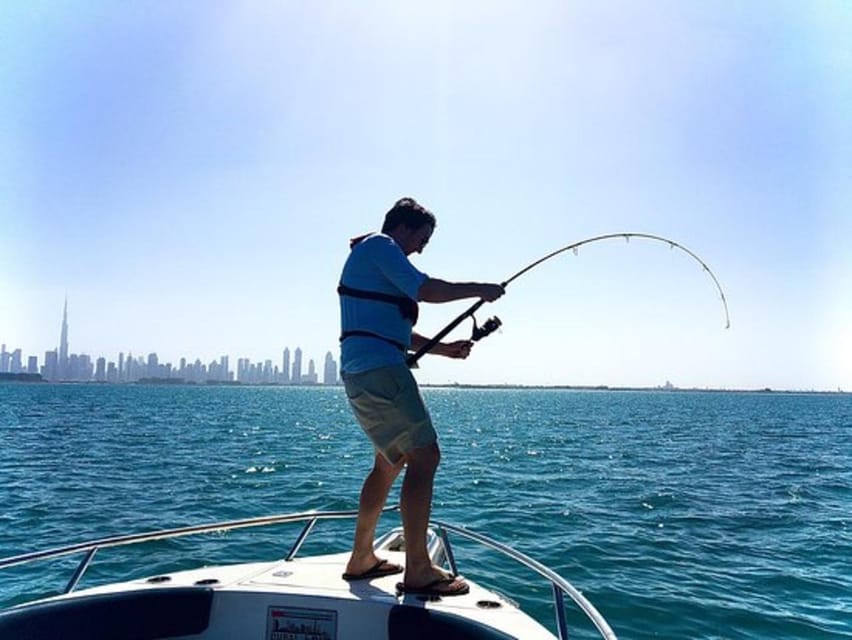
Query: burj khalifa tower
[{"x": 63, "y": 345}]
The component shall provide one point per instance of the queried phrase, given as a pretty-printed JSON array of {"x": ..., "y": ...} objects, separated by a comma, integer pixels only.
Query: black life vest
[{"x": 407, "y": 307}]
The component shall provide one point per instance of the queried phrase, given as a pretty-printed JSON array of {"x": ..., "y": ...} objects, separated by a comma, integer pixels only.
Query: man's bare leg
[
  {"x": 416, "y": 505},
  {"x": 374, "y": 493}
]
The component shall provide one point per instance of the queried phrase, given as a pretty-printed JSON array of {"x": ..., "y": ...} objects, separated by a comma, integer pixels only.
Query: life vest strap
[
  {"x": 407, "y": 307},
  {"x": 369, "y": 334}
]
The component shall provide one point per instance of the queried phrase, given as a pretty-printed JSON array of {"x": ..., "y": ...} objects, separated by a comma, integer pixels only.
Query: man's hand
[
  {"x": 490, "y": 292},
  {"x": 459, "y": 349}
]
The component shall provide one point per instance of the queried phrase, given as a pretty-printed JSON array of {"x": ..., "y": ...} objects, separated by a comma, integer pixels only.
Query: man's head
[{"x": 409, "y": 224}]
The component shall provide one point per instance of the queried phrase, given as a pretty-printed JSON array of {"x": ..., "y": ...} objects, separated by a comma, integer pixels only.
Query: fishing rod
[{"x": 492, "y": 324}]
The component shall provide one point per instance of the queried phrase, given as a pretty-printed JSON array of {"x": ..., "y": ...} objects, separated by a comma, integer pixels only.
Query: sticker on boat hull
[{"x": 294, "y": 623}]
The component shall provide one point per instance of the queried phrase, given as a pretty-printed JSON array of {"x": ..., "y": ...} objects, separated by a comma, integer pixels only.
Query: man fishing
[{"x": 379, "y": 290}]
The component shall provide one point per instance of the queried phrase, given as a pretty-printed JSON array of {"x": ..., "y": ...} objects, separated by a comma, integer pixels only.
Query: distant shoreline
[
  {"x": 21, "y": 378},
  {"x": 567, "y": 387}
]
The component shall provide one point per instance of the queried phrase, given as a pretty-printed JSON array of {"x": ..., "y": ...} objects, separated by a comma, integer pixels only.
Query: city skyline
[{"x": 60, "y": 364}]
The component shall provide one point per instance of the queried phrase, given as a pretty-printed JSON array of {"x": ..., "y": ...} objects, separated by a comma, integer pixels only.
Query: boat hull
[{"x": 301, "y": 599}]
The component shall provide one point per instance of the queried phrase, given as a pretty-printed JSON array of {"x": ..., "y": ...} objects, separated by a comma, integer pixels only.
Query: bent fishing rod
[{"x": 492, "y": 324}]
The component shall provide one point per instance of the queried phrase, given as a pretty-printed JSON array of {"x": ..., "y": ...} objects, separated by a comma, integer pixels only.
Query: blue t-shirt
[{"x": 376, "y": 264}]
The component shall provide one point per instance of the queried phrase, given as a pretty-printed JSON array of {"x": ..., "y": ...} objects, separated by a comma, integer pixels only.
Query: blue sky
[{"x": 189, "y": 173}]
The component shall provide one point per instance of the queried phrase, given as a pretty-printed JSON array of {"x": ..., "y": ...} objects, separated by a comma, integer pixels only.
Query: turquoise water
[{"x": 679, "y": 515}]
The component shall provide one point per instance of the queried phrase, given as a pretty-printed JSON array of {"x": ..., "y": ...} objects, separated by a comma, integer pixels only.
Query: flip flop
[
  {"x": 433, "y": 588},
  {"x": 379, "y": 570}
]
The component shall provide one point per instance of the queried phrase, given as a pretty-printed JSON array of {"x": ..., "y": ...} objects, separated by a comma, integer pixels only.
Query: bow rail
[{"x": 560, "y": 586}]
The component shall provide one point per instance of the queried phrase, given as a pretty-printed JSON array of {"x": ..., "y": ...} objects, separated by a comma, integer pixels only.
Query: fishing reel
[{"x": 491, "y": 325}]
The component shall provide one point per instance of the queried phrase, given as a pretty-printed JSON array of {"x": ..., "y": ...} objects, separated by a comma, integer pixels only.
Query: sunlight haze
[{"x": 188, "y": 176}]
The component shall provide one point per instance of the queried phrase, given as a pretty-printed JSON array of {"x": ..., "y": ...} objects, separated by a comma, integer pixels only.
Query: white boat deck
[
  {"x": 316, "y": 582},
  {"x": 295, "y": 598}
]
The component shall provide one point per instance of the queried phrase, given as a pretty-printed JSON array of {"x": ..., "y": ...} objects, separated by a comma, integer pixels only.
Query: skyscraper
[
  {"x": 100, "y": 370},
  {"x": 51, "y": 363},
  {"x": 285, "y": 366},
  {"x": 62, "y": 365},
  {"x": 329, "y": 370},
  {"x": 296, "y": 378},
  {"x": 16, "y": 365}
]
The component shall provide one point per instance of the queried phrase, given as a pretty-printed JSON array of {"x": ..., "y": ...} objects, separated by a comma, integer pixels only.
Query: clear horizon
[{"x": 189, "y": 176}]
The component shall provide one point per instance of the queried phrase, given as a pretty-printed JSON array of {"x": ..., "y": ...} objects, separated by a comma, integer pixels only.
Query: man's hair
[{"x": 407, "y": 211}]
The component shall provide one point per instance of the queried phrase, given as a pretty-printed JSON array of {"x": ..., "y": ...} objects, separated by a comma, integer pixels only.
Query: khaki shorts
[{"x": 390, "y": 409}]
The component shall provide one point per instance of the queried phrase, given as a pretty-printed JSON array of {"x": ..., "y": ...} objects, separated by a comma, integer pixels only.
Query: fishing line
[{"x": 492, "y": 324}]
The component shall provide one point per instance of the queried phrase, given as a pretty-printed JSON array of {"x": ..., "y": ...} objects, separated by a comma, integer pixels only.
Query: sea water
[{"x": 678, "y": 514}]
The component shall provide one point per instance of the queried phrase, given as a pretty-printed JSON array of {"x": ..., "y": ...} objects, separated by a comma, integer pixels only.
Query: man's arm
[
  {"x": 458, "y": 349},
  {"x": 436, "y": 290}
]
